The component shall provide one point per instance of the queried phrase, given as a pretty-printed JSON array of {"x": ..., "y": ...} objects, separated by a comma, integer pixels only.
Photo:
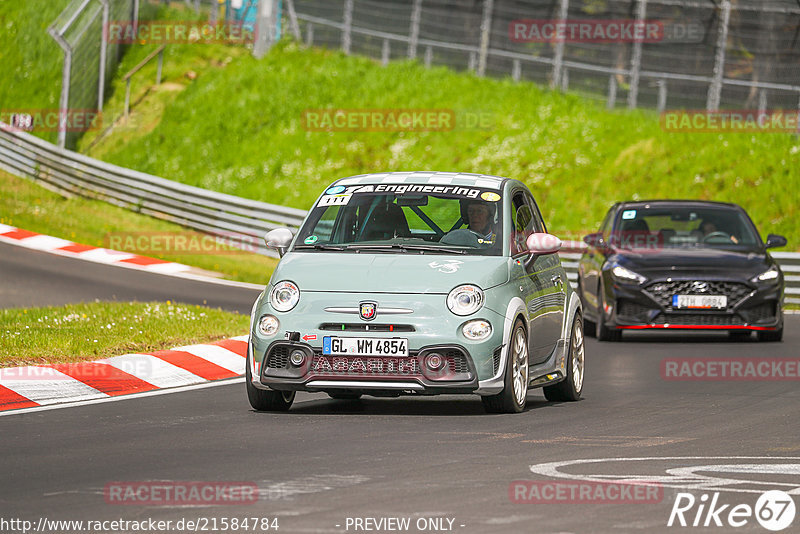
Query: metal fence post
[
  {"x": 612, "y": 92},
  {"x": 715, "y": 89},
  {"x": 265, "y": 27},
  {"x": 662, "y": 95},
  {"x": 558, "y": 59},
  {"x": 486, "y": 34},
  {"x": 101, "y": 74},
  {"x": 385, "y": 51},
  {"x": 293, "y": 19},
  {"x": 636, "y": 60},
  {"x": 348, "y": 26},
  {"x": 762, "y": 101},
  {"x": 413, "y": 39},
  {"x": 516, "y": 70},
  {"x": 63, "y": 103},
  {"x": 428, "y": 56},
  {"x": 564, "y": 80},
  {"x": 309, "y": 35}
]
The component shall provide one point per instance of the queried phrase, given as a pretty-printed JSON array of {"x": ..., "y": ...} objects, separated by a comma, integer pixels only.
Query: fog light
[
  {"x": 477, "y": 330},
  {"x": 268, "y": 325},
  {"x": 434, "y": 361},
  {"x": 297, "y": 358}
]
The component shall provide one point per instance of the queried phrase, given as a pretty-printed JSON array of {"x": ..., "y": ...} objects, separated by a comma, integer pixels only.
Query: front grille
[
  {"x": 629, "y": 308},
  {"x": 278, "y": 357},
  {"x": 663, "y": 292},
  {"x": 496, "y": 359},
  {"x": 365, "y": 327},
  {"x": 762, "y": 312},
  {"x": 364, "y": 366},
  {"x": 456, "y": 361},
  {"x": 702, "y": 319}
]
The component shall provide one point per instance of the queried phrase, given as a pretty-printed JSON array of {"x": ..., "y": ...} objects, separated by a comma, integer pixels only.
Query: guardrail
[{"x": 208, "y": 211}]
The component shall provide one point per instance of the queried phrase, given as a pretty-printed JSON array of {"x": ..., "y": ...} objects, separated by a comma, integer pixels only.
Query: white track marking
[
  {"x": 217, "y": 355},
  {"x": 153, "y": 370},
  {"x": 45, "y": 242},
  {"x": 132, "y": 396},
  {"x": 40, "y": 389}
]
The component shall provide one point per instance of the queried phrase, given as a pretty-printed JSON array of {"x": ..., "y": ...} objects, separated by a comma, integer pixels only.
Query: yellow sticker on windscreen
[{"x": 490, "y": 197}]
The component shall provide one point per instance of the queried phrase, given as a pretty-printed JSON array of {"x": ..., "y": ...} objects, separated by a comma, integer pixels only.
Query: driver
[{"x": 480, "y": 216}]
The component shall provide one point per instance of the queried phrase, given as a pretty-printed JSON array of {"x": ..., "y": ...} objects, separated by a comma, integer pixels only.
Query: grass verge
[
  {"x": 239, "y": 130},
  {"x": 78, "y": 332},
  {"x": 26, "y": 205}
]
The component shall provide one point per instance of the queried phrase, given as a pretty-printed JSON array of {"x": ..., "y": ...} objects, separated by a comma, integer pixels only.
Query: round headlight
[
  {"x": 268, "y": 325},
  {"x": 284, "y": 296},
  {"x": 465, "y": 300},
  {"x": 477, "y": 330}
]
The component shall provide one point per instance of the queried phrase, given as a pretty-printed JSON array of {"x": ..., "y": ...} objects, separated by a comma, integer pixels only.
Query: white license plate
[
  {"x": 364, "y": 346},
  {"x": 704, "y": 302}
]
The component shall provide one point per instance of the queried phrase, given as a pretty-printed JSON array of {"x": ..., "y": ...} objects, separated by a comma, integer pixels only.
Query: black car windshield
[
  {"x": 389, "y": 222},
  {"x": 654, "y": 227}
]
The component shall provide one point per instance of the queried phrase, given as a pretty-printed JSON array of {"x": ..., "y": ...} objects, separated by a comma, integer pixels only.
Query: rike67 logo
[{"x": 774, "y": 510}]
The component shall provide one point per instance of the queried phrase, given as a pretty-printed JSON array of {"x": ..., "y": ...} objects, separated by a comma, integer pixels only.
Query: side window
[
  {"x": 538, "y": 222},
  {"x": 605, "y": 227},
  {"x": 523, "y": 221}
]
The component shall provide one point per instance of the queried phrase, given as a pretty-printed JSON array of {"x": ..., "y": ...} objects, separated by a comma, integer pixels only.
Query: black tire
[
  {"x": 739, "y": 335},
  {"x": 770, "y": 335},
  {"x": 345, "y": 396},
  {"x": 265, "y": 400},
  {"x": 511, "y": 399},
  {"x": 571, "y": 387},
  {"x": 604, "y": 333}
]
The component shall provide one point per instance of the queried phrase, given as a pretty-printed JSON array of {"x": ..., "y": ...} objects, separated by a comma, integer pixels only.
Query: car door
[
  {"x": 590, "y": 265},
  {"x": 552, "y": 278},
  {"x": 530, "y": 278}
]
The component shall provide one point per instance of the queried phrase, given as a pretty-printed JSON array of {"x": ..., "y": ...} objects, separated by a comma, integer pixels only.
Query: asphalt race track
[{"x": 328, "y": 462}]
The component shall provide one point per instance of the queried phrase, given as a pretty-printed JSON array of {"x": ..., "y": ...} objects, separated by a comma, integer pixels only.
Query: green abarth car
[{"x": 417, "y": 283}]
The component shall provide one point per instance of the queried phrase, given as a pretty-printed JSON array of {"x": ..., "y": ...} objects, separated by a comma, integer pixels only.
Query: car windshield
[
  {"x": 656, "y": 227},
  {"x": 467, "y": 222}
]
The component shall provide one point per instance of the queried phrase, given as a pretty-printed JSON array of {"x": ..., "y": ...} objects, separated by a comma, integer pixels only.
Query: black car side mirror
[
  {"x": 775, "y": 241},
  {"x": 595, "y": 240}
]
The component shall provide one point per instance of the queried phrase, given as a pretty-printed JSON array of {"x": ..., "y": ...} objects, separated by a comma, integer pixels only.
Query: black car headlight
[
  {"x": 623, "y": 274},
  {"x": 770, "y": 275}
]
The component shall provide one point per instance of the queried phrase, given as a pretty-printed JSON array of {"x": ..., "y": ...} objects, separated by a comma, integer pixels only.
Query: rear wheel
[
  {"x": 588, "y": 326},
  {"x": 267, "y": 400},
  {"x": 512, "y": 398},
  {"x": 571, "y": 387}
]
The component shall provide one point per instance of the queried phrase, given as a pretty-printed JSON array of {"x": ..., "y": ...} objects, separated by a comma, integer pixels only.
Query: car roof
[
  {"x": 484, "y": 181},
  {"x": 675, "y": 203}
]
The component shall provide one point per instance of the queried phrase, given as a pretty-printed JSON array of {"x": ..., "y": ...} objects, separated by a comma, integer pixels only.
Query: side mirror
[
  {"x": 775, "y": 241},
  {"x": 594, "y": 240},
  {"x": 278, "y": 239},
  {"x": 540, "y": 244}
]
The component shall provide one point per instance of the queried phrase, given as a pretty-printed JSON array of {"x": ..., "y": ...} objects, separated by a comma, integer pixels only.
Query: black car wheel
[
  {"x": 267, "y": 400},
  {"x": 571, "y": 387},
  {"x": 512, "y": 398},
  {"x": 771, "y": 335},
  {"x": 603, "y": 332},
  {"x": 589, "y": 327}
]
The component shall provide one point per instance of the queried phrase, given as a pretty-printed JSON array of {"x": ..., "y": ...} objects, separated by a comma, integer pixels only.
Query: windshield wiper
[
  {"x": 402, "y": 246},
  {"x": 321, "y": 246}
]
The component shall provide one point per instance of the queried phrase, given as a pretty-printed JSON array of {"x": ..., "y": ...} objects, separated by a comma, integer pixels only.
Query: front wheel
[
  {"x": 604, "y": 333},
  {"x": 571, "y": 387},
  {"x": 770, "y": 335},
  {"x": 512, "y": 398},
  {"x": 267, "y": 400}
]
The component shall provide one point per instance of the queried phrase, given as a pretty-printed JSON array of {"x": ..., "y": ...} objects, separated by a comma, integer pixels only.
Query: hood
[
  {"x": 695, "y": 260},
  {"x": 389, "y": 273}
]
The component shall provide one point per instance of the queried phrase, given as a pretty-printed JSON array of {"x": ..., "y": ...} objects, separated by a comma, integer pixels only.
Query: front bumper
[
  {"x": 428, "y": 326},
  {"x": 749, "y": 308}
]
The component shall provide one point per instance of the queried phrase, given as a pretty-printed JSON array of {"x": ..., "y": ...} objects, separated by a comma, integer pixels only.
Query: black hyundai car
[{"x": 681, "y": 264}]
